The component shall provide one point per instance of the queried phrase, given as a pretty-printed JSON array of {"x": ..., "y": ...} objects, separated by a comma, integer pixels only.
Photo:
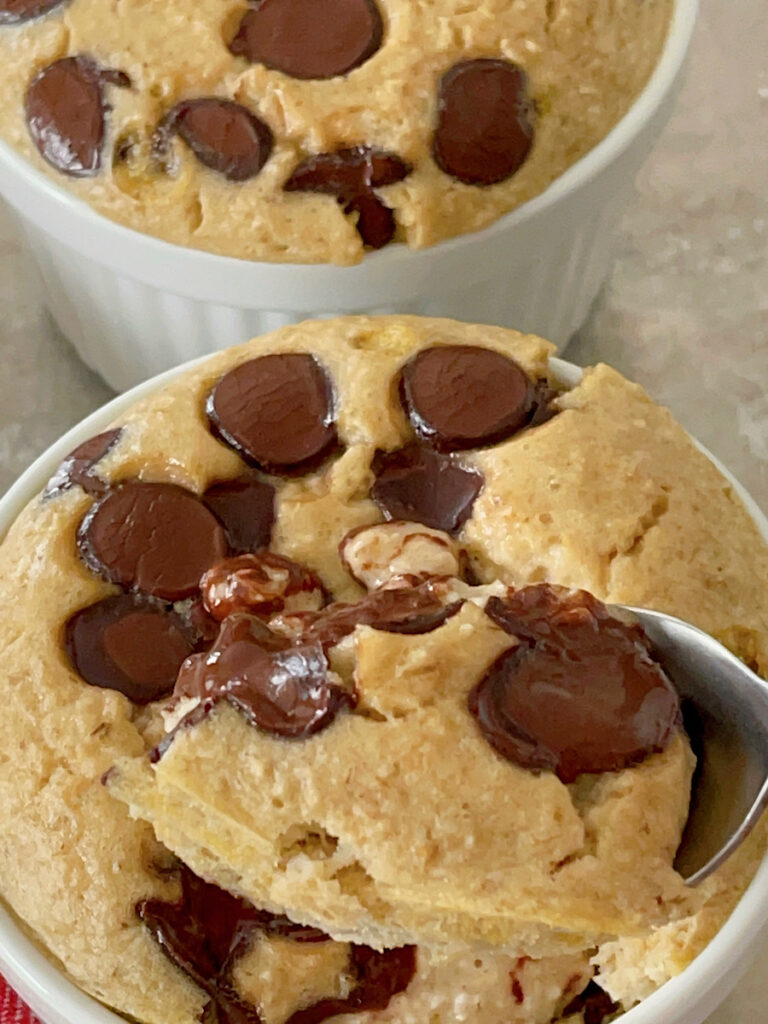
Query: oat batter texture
[
  {"x": 312, "y": 704},
  {"x": 308, "y": 131}
]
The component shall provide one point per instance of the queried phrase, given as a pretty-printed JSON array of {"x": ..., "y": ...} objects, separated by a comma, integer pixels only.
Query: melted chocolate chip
[
  {"x": 594, "y": 1004},
  {"x": 225, "y": 136},
  {"x": 203, "y": 934},
  {"x": 379, "y": 977},
  {"x": 284, "y": 690},
  {"x": 14, "y": 11},
  {"x": 418, "y": 484},
  {"x": 128, "y": 644},
  {"x": 310, "y": 38},
  {"x": 207, "y": 929},
  {"x": 351, "y": 175},
  {"x": 246, "y": 509},
  {"x": 463, "y": 396},
  {"x": 260, "y": 584},
  {"x": 412, "y": 609},
  {"x": 77, "y": 469},
  {"x": 484, "y": 121},
  {"x": 580, "y": 694},
  {"x": 66, "y": 111},
  {"x": 277, "y": 411},
  {"x": 152, "y": 537}
]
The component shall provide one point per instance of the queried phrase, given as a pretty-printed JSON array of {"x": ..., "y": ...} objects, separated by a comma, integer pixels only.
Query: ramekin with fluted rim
[
  {"x": 686, "y": 999},
  {"x": 133, "y": 305}
]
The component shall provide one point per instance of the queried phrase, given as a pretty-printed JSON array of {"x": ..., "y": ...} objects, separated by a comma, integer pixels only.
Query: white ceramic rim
[
  {"x": 58, "y": 1001},
  {"x": 214, "y": 278}
]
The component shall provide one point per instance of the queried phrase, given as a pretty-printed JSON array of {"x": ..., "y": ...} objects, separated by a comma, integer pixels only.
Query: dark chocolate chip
[
  {"x": 351, "y": 175},
  {"x": 277, "y": 411},
  {"x": 66, "y": 112},
  {"x": 421, "y": 485},
  {"x": 379, "y": 977},
  {"x": 463, "y": 396},
  {"x": 14, "y": 11},
  {"x": 284, "y": 690},
  {"x": 225, "y": 136},
  {"x": 594, "y": 1004},
  {"x": 152, "y": 537},
  {"x": 260, "y": 584},
  {"x": 129, "y": 644},
  {"x": 77, "y": 469},
  {"x": 310, "y": 38},
  {"x": 409, "y": 609},
  {"x": 246, "y": 509},
  {"x": 580, "y": 694},
  {"x": 484, "y": 121}
]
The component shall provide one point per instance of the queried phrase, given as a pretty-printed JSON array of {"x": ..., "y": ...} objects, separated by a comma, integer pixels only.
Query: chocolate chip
[
  {"x": 594, "y": 1004},
  {"x": 407, "y": 609},
  {"x": 225, "y": 136},
  {"x": 484, "y": 121},
  {"x": 463, "y": 396},
  {"x": 580, "y": 694},
  {"x": 260, "y": 584},
  {"x": 310, "y": 38},
  {"x": 277, "y": 411},
  {"x": 66, "y": 111},
  {"x": 129, "y": 644},
  {"x": 284, "y": 690},
  {"x": 152, "y": 537},
  {"x": 14, "y": 11},
  {"x": 351, "y": 175},
  {"x": 378, "y": 977},
  {"x": 246, "y": 509},
  {"x": 418, "y": 484},
  {"x": 77, "y": 469}
]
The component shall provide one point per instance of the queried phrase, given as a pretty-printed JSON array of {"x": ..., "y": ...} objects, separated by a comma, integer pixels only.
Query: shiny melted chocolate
[
  {"x": 412, "y": 610},
  {"x": 581, "y": 692},
  {"x": 205, "y": 931},
  {"x": 259, "y": 584},
  {"x": 282, "y": 688}
]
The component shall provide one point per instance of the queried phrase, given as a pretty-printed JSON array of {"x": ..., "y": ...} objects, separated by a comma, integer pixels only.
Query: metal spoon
[{"x": 725, "y": 708}]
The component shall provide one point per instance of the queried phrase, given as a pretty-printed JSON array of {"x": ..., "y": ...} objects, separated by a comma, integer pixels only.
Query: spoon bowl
[{"x": 725, "y": 712}]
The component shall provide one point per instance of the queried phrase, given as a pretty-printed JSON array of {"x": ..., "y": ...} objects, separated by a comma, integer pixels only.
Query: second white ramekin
[
  {"x": 134, "y": 306},
  {"x": 687, "y": 999}
]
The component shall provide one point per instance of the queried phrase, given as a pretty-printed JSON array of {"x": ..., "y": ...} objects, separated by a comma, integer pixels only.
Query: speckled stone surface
[{"x": 684, "y": 311}]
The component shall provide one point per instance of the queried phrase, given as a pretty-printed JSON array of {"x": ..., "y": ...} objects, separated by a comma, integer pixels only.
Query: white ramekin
[
  {"x": 687, "y": 999},
  {"x": 134, "y": 306}
]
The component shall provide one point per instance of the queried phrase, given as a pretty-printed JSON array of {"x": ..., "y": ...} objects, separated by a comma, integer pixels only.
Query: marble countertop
[{"x": 684, "y": 311}]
